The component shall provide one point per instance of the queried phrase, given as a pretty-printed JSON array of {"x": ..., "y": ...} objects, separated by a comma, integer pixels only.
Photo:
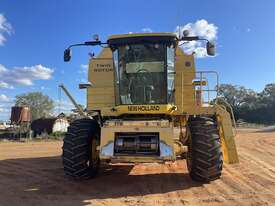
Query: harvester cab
[{"x": 146, "y": 103}]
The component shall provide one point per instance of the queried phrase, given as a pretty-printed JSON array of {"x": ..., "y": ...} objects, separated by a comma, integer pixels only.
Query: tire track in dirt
[
  {"x": 32, "y": 174},
  {"x": 266, "y": 171},
  {"x": 245, "y": 185}
]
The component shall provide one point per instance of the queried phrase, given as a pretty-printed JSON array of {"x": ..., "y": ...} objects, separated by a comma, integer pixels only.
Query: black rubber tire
[
  {"x": 204, "y": 156},
  {"x": 77, "y": 149}
]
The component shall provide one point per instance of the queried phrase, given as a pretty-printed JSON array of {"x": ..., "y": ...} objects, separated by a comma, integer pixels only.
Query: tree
[
  {"x": 249, "y": 105},
  {"x": 268, "y": 95},
  {"x": 266, "y": 103},
  {"x": 238, "y": 97},
  {"x": 40, "y": 104}
]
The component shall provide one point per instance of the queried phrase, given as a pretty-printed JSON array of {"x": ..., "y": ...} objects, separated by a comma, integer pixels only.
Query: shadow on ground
[{"x": 41, "y": 180}]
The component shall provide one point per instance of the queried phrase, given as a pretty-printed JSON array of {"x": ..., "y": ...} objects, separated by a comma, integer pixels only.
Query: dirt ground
[{"x": 31, "y": 174}]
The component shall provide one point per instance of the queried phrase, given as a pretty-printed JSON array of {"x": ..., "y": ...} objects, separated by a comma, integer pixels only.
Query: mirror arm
[
  {"x": 88, "y": 43},
  {"x": 67, "y": 52},
  {"x": 192, "y": 38},
  {"x": 186, "y": 39},
  {"x": 204, "y": 40},
  {"x": 73, "y": 45}
]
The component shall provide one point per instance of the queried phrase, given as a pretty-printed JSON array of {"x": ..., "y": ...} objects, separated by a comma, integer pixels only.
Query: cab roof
[{"x": 121, "y": 39}]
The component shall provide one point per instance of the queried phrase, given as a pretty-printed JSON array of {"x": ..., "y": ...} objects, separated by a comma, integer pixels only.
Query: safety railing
[
  {"x": 205, "y": 91},
  {"x": 203, "y": 76}
]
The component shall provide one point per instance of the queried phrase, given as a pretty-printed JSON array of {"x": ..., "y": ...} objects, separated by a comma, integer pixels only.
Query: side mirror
[
  {"x": 67, "y": 55},
  {"x": 210, "y": 47},
  {"x": 86, "y": 85}
]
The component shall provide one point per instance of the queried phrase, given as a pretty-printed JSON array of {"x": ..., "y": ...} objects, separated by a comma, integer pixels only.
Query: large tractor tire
[
  {"x": 80, "y": 157},
  {"x": 204, "y": 156}
]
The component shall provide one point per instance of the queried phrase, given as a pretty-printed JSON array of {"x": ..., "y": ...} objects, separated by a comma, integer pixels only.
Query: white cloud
[
  {"x": 4, "y": 98},
  {"x": 5, "y": 111},
  {"x": 5, "y": 85},
  {"x": 143, "y": 30},
  {"x": 200, "y": 28},
  {"x": 5, "y": 28},
  {"x": 147, "y": 30},
  {"x": 5, "y": 106},
  {"x": 23, "y": 75},
  {"x": 63, "y": 106},
  {"x": 44, "y": 88},
  {"x": 84, "y": 68}
]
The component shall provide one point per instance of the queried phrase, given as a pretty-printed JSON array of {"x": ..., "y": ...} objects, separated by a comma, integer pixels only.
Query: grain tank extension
[{"x": 147, "y": 103}]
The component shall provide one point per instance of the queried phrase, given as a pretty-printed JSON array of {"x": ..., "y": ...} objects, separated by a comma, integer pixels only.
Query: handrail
[
  {"x": 217, "y": 80},
  {"x": 201, "y": 76}
]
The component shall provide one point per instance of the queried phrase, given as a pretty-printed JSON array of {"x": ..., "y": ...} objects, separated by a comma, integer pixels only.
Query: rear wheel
[
  {"x": 80, "y": 157},
  {"x": 204, "y": 156}
]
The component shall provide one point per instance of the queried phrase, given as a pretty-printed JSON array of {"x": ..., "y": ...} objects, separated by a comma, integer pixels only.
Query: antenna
[
  {"x": 179, "y": 24},
  {"x": 59, "y": 100}
]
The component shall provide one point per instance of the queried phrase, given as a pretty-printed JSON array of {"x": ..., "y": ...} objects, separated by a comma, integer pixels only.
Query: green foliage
[
  {"x": 40, "y": 105},
  {"x": 57, "y": 135},
  {"x": 249, "y": 105}
]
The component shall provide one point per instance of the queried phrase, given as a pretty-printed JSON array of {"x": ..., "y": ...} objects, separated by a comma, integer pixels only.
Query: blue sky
[{"x": 37, "y": 32}]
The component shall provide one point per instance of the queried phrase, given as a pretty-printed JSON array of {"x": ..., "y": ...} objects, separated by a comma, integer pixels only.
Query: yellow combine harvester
[{"x": 146, "y": 103}]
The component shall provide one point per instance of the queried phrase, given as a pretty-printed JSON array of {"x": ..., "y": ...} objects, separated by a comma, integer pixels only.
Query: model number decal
[
  {"x": 103, "y": 68},
  {"x": 143, "y": 108}
]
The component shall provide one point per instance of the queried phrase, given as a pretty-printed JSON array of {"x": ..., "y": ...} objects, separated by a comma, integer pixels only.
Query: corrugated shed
[{"x": 49, "y": 125}]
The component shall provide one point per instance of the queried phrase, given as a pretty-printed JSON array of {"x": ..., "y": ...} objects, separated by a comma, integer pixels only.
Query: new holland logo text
[{"x": 143, "y": 108}]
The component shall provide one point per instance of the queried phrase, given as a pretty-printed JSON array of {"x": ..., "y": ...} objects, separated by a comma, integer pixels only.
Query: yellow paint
[
  {"x": 184, "y": 89},
  {"x": 137, "y": 159},
  {"x": 142, "y": 34},
  {"x": 101, "y": 74},
  {"x": 229, "y": 149},
  {"x": 108, "y": 136},
  {"x": 102, "y": 97}
]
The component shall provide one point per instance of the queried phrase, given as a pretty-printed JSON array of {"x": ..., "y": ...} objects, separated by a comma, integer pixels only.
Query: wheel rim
[{"x": 94, "y": 155}]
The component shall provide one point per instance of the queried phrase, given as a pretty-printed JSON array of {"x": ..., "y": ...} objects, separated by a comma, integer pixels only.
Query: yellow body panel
[
  {"x": 118, "y": 36},
  {"x": 101, "y": 74},
  {"x": 102, "y": 97},
  {"x": 229, "y": 149},
  {"x": 144, "y": 109},
  {"x": 165, "y": 138},
  {"x": 184, "y": 89}
]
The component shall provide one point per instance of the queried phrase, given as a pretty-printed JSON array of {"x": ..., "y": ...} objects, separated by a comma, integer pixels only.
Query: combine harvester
[{"x": 142, "y": 87}]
